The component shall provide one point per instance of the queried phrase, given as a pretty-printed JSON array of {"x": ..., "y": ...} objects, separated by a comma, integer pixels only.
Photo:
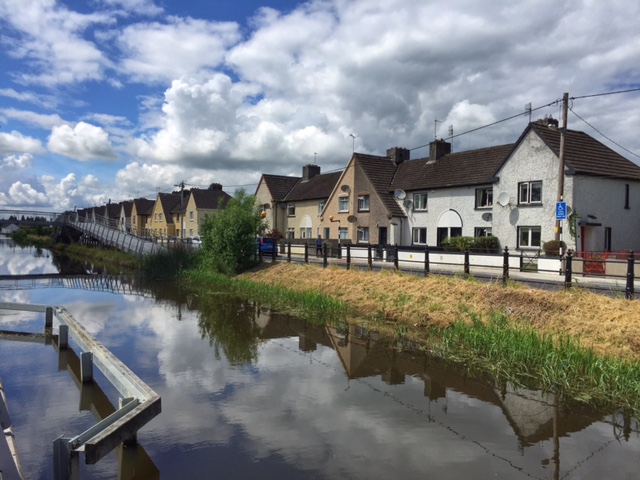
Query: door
[{"x": 382, "y": 235}]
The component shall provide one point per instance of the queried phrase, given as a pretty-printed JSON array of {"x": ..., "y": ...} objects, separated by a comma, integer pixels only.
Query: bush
[
  {"x": 489, "y": 244},
  {"x": 552, "y": 247}
]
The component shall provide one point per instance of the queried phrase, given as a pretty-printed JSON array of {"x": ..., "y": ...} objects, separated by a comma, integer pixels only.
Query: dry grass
[{"x": 607, "y": 325}]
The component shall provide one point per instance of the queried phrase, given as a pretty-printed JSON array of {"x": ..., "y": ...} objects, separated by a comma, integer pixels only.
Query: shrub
[
  {"x": 489, "y": 244},
  {"x": 552, "y": 247}
]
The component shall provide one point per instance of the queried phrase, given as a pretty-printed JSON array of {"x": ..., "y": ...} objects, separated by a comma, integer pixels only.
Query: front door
[{"x": 382, "y": 235}]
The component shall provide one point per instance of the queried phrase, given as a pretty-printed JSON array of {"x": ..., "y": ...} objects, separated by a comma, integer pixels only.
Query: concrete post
[
  {"x": 629, "y": 291},
  {"x": 63, "y": 337},
  {"x": 86, "y": 367},
  {"x": 48, "y": 317}
]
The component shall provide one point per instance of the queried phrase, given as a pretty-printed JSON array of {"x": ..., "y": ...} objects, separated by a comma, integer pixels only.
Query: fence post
[
  {"x": 306, "y": 252},
  {"x": 522, "y": 260},
  {"x": 274, "y": 251},
  {"x": 505, "y": 265},
  {"x": 568, "y": 268},
  {"x": 629, "y": 291},
  {"x": 289, "y": 251},
  {"x": 426, "y": 260},
  {"x": 466, "y": 261},
  {"x": 369, "y": 259},
  {"x": 348, "y": 257},
  {"x": 324, "y": 255},
  {"x": 395, "y": 256}
]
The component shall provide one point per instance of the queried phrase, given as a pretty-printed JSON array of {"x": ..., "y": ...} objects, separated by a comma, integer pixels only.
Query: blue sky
[{"x": 116, "y": 99}]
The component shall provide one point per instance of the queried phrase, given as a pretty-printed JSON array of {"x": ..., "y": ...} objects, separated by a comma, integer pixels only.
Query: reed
[{"x": 524, "y": 357}]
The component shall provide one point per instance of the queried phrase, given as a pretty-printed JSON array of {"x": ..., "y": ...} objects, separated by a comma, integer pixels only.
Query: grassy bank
[{"x": 577, "y": 344}]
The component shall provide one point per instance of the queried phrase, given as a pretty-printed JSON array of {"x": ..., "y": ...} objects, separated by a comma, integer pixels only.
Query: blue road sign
[{"x": 561, "y": 210}]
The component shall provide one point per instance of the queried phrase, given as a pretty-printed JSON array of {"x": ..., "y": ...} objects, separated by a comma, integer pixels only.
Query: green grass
[
  {"x": 314, "y": 306},
  {"x": 525, "y": 358}
]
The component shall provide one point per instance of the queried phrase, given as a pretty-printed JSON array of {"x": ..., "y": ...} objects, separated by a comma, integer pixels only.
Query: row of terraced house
[
  {"x": 508, "y": 191},
  {"x": 177, "y": 214}
]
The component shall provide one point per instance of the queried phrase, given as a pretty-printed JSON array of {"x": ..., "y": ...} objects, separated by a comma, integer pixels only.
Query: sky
[{"x": 110, "y": 100}]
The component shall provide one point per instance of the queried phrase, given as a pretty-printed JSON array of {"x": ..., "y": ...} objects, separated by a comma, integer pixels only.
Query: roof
[
  {"x": 209, "y": 199},
  {"x": 380, "y": 172},
  {"x": 473, "y": 167},
  {"x": 127, "y": 205},
  {"x": 584, "y": 155},
  {"x": 317, "y": 187},
  {"x": 169, "y": 201},
  {"x": 279, "y": 185},
  {"x": 144, "y": 206}
]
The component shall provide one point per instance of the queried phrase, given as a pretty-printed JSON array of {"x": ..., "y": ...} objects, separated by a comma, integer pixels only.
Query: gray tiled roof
[
  {"x": 279, "y": 185},
  {"x": 473, "y": 167},
  {"x": 585, "y": 155},
  {"x": 380, "y": 172},
  {"x": 316, "y": 188},
  {"x": 208, "y": 199},
  {"x": 144, "y": 206}
]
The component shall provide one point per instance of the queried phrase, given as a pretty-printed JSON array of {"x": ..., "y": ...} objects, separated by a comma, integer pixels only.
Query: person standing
[{"x": 318, "y": 246}]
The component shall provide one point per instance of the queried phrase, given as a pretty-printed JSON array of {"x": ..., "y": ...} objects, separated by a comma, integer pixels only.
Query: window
[
  {"x": 160, "y": 217},
  {"x": 419, "y": 201},
  {"x": 191, "y": 232},
  {"x": 363, "y": 203},
  {"x": 321, "y": 204},
  {"x": 363, "y": 234},
  {"x": 484, "y": 197},
  {"x": 191, "y": 216},
  {"x": 529, "y": 237},
  {"x": 626, "y": 196},
  {"x": 290, "y": 233},
  {"x": 343, "y": 233},
  {"x": 134, "y": 219},
  {"x": 305, "y": 232},
  {"x": 155, "y": 217},
  {"x": 482, "y": 232},
  {"x": 343, "y": 204},
  {"x": 327, "y": 233},
  {"x": 291, "y": 209},
  {"x": 419, "y": 236},
  {"x": 530, "y": 192}
]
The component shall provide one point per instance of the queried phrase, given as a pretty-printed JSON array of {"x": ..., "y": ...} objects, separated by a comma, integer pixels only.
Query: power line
[
  {"x": 612, "y": 141},
  {"x": 607, "y": 93}
]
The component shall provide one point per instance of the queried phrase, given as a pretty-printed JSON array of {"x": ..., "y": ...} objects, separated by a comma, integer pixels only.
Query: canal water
[{"x": 251, "y": 393}]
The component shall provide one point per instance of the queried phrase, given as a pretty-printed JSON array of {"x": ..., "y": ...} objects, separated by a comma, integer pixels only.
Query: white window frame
[
  {"x": 343, "y": 233},
  {"x": 363, "y": 234},
  {"x": 291, "y": 233},
  {"x": 291, "y": 210},
  {"x": 363, "y": 203},
  {"x": 525, "y": 193},
  {"x": 420, "y": 202},
  {"x": 484, "y": 197},
  {"x": 321, "y": 205},
  {"x": 419, "y": 235},
  {"x": 343, "y": 203},
  {"x": 305, "y": 233},
  {"x": 482, "y": 232},
  {"x": 529, "y": 230},
  {"x": 191, "y": 215}
]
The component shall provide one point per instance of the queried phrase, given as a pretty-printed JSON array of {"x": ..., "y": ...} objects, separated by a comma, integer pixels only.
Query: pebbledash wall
[
  {"x": 531, "y": 161},
  {"x": 601, "y": 202}
]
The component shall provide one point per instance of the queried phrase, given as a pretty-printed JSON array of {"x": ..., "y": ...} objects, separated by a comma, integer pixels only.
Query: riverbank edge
[{"x": 485, "y": 341}]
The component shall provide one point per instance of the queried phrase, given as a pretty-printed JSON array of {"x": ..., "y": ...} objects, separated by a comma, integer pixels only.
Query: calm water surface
[{"x": 249, "y": 393}]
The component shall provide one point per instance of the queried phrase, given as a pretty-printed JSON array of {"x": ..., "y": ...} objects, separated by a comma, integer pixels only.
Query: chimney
[
  {"x": 398, "y": 154},
  {"x": 438, "y": 149},
  {"x": 310, "y": 171},
  {"x": 548, "y": 121},
  {"x": 215, "y": 186}
]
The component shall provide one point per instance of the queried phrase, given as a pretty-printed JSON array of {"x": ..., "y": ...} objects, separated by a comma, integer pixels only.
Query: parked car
[{"x": 267, "y": 245}]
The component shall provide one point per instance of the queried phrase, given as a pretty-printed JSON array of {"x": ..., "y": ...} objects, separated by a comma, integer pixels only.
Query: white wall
[{"x": 532, "y": 161}]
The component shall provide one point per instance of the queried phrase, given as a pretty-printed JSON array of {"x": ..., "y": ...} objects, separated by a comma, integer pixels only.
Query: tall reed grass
[{"x": 520, "y": 355}]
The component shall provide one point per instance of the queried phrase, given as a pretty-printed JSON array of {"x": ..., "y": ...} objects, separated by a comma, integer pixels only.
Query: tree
[{"x": 229, "y": 235}]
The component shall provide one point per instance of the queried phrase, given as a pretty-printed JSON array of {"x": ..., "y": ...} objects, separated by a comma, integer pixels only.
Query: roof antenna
[
  {"x": 451, "y": 136},
  {"x": 314, "y": 157}
]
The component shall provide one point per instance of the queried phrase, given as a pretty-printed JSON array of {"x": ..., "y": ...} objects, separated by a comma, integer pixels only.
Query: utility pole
[
  {"x": 563, "y": 134},
  {"x": 181, "y": 185}
]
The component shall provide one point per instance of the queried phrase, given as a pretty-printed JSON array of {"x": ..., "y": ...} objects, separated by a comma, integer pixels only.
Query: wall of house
[
  {"x": 459, "y": 199},
  {"x": 306, "y": 213},
  {"x": 375, "y": 218},
  {"x": 532, "y": 161},
  {"x": 276, "y": 216},
  {"x": 331, "y": 208},
  {"x": 604, "y": 200}
]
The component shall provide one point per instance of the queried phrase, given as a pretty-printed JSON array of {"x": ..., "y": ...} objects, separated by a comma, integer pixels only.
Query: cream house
[{"x": 200, "y": 203}]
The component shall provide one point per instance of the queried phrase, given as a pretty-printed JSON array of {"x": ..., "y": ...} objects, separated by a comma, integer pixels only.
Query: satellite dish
[
  {"x": 351, "y": 218},
  {"x": 503, "y": 199},
  {"x": 345, "y": 188},
  {"x": 266, "y": 206},
  {"x": 399, "y": 194},
  {"x": 487, "y": 216},
  {"x": 408, "y": 203},
  {"x": 283, "y": 205}
]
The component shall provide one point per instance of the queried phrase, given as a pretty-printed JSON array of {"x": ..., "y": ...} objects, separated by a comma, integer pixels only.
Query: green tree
[{"x": 229, "y": 235}]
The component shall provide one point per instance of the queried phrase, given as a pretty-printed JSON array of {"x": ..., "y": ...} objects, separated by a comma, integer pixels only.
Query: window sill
[{"x": 521, "y": 205}]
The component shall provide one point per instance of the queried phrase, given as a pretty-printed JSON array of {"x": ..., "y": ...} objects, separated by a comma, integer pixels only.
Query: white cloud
[
  {"x": 15, "y": 142},
  {"x": 47, "y": 101},
  {"x": 34, "y": 119},
  {"x": 164, "y": 51},
  {"x": 49, "y": 37},
  {"x": 11, "y": 163},
  {"x": 140, "y": 7},
  {"x": 21, "y": 194},
  {"x": 84, "y": 142}
]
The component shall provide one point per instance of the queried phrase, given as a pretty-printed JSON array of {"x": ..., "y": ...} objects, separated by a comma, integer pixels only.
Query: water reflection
[{"x": 250, "y": 392}]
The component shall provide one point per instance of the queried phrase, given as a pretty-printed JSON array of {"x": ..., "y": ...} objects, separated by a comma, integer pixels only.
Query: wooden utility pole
[{"x": 563, "y": 133}]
